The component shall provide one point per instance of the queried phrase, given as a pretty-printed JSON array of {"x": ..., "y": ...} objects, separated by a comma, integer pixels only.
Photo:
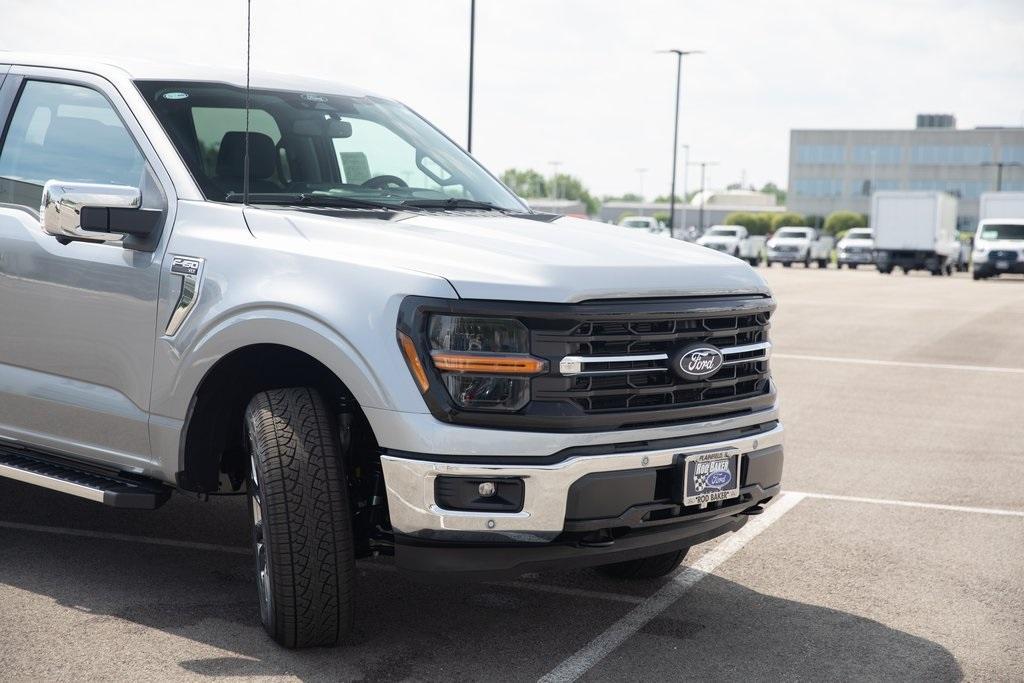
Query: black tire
[
  {"x": 852, "y": 266},
  {"x": 787, "y": 264},
  {"x": 301, "y": 521},
  {"x": 822, "y": 263},
  {"x": 645, "y": 567}
]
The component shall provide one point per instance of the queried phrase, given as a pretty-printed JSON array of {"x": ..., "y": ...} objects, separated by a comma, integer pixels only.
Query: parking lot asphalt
[{"x": 896, "y": 553}]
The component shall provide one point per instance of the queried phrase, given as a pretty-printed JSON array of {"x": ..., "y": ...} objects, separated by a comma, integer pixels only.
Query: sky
[{"x": 579, "y": 82}]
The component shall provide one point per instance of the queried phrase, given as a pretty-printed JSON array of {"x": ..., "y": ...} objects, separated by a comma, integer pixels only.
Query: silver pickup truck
[{"x": 306, "y": 294}]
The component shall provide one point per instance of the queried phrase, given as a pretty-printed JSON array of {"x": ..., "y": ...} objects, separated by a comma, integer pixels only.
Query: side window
[{"x": 64, "y": 132}]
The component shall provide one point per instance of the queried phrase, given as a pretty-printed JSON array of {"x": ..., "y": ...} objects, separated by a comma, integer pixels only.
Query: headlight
[{"x": 484, "y": 363}]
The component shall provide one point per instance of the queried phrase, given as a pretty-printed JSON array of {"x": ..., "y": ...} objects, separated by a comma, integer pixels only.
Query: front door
[{"x": 77, "y": 320}]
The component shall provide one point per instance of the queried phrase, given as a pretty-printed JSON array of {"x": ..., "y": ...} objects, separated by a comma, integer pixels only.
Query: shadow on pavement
[{"x": 403, "y": 629}]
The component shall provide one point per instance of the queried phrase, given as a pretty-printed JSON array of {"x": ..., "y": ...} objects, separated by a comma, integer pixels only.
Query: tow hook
[{"x": 598, "y": 539}]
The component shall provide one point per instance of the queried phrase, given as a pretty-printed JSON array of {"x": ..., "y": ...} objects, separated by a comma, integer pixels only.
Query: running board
[{"x": 115, "y": 490}]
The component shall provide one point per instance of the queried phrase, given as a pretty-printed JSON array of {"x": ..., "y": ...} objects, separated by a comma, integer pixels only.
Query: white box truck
[
  {"x": 999, "y": 241},
  {"x": 914, "y": 231}
]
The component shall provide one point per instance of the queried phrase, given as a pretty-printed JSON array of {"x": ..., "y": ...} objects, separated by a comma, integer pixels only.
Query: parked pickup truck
[
  {"x": 322, "y": 302},
  {"x": 645, "y": 223},
  {"x": 791, "y": 245},
  {"x": 856, "y": 248},
  {"x": 735, "y": 241}
]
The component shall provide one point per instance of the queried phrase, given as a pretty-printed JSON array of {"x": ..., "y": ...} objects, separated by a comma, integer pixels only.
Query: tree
[
  {"x": 571, "y": 187},
  {"x": 525, "y": 183},
  {"x": 788, "y": 218},
  {"x": 780, "y": 194},
  {"x": 628, "y": 197},
  {"x": 844, "y": 220},
  {"x": 755, "y": 223}
]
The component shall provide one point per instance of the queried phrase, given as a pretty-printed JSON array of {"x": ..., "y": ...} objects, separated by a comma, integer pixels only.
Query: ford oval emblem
[
  {"x": 696, "y": 362},
  {"x": 717, "y": 480}
]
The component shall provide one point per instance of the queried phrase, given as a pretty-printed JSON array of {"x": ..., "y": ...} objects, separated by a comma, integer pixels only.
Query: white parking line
[
  {"x": 597, "y": 649},
  {"x": 900, "y": 364},
  {"x": 914, "y": 504}
]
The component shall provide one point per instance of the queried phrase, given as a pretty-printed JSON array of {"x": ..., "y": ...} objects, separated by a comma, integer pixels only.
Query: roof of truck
[{"x": 140, "y": 69}]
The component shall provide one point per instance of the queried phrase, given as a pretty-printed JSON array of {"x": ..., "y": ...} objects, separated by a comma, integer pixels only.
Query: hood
[
  {"x": 1000, "y": 245},
  {"x": 717, "y": 239},
  {"x": 502, "y": 257},
  {"x": 855, "y": 243},
  {"x": 798, "y": 241}
]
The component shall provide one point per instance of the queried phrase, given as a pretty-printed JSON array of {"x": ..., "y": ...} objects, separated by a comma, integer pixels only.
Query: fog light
[{"x": 477, "y": 494}]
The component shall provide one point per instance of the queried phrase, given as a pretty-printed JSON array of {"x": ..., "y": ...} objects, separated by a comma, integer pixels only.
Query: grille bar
[{"x": 571, "y": 366}]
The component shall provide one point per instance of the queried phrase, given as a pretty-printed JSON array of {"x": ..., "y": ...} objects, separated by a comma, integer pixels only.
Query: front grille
[
  {"x": 638, "y": 379},
  {"x": 1002, "y": 255},
  {"x": 786, "y": 248}
]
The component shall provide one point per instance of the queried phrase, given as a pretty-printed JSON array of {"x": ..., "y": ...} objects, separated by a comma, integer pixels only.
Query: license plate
[
  {"x": 1002, "y": 265},
  {"x": 709, "y": 477}
]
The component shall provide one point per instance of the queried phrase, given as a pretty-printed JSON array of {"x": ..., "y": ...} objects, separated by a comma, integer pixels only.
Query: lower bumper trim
[{"x": 452, "y": 562}]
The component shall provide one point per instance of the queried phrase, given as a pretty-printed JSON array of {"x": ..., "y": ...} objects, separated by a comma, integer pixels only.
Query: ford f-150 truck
[
  {"x": 735, "y": 241},
  {"x": 791, "y": 245},
  {"x": 306, "y": 294}
]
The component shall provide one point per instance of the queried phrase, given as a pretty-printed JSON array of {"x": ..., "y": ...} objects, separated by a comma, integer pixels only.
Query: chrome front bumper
[{"x": 414, "y": 512}]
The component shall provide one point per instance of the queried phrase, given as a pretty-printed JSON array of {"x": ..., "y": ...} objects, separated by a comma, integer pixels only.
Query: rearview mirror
[
  {"x": 332, "y": 128},
  {"x": 95, "y": 213}
]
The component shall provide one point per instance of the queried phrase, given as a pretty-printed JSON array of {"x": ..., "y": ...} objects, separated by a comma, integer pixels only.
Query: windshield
[
  {"x": 317, "y": 148},
  {"x": 721, "y": 232},
  {"x": 858, "y": 235},
  {"x": 1002, "y": 232},
  {"x": 787, "y": 232},
  {"x": 636, "y": 223}
]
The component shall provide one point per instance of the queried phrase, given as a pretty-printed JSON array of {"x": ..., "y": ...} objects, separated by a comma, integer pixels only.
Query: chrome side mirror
[{"x": 82, "y": 211}]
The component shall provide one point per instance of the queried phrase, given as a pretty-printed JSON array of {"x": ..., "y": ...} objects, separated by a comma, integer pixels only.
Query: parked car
[
  {"x": 736, "y": 241},
  {"x": 791, "y": 245},
  {"x": 856, "y": 248},
  {"x": 320, "y": 301},
  {"x": 647, "y": 223},
  {"x": 915, "y": 230},
  {"x": 999, "y": 240}
]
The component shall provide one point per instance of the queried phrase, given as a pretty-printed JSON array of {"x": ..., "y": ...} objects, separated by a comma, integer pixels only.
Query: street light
[
  {"x": 686, "y": 178},
  {"x": 640, "y": 172},
  {"x": 703, "y": 166},
  {"x": 675, "y": 133},
  {"x": 554, "y": 177},
  {"x": 472, "y": 45},
  {"x": 1000, "y": 165}
]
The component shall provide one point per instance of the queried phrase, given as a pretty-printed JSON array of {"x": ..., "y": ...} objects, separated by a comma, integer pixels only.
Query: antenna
[{"x": 248, "y": 52}]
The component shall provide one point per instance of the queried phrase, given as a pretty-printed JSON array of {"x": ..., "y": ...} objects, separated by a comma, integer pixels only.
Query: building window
[
  {"x": 877, "y": 154},
  {"x": 820, "y": 154},
  {"x": 818, "y": 187},
  {"x": 964, "y": 189},
  {"x": 1012, "y": 153},
  {"x": 950, "y": 154},
  {"x": 863, "y": 188}
]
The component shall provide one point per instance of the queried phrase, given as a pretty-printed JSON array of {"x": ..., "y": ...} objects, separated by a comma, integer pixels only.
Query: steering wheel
[{"x": 381, "y": 182}]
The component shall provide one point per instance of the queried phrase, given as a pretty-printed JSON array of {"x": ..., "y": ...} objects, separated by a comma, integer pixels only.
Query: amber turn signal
[
  {"x": 488, "y": 364},
  {"x": 419, "y": 373}
]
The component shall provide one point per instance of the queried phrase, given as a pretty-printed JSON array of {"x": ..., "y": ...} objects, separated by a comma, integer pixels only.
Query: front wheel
[
  {"x": 301, "y": 522},
  {"x": 645, "y": 567}
]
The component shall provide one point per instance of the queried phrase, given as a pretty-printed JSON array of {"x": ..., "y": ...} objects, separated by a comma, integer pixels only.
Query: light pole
[
  {"x": 1000, "y": 165},
  {"x": 472, "y": 46},
  {"x": 686, "y": 177},
  {"x": 675, "y": 134},
  {"x": 703, "y": 167},
  {"x": 640, "y": 172},
  {"x": 554, "y": 178}
]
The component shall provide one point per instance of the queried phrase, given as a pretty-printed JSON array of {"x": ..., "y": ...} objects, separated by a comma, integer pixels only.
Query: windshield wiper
[
  {"x": 453, "y": 203},
  {"x": 305, "y": 199}
]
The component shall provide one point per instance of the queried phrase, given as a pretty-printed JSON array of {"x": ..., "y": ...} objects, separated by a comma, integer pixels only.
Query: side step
[{"x": 109, "y": 488}]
